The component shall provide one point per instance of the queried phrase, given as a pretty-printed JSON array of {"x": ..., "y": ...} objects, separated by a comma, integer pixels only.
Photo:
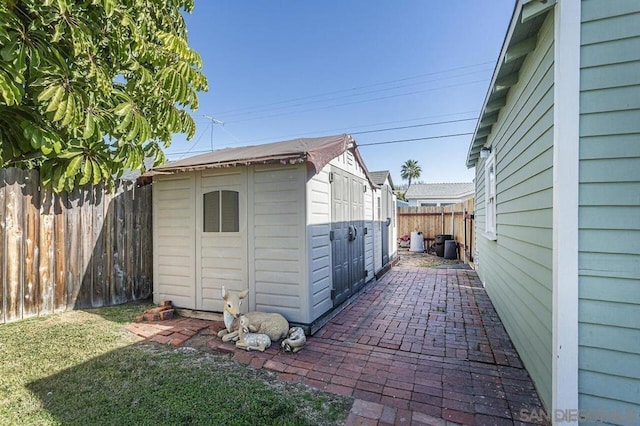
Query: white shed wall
[
  {"x": 276, "y": 217},
  {"x": 173, "y": 248}
]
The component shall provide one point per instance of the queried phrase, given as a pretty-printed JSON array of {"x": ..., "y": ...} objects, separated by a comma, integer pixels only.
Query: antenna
[{"x": 213, "y": 121}]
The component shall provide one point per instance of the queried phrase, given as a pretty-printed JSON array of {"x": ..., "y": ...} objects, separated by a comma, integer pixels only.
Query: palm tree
[{"x": 410, "y": 170}]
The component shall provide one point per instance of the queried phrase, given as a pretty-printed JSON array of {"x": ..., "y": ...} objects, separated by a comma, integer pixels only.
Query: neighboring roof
[
  {"x": 380, "y": 176},
  {"x": 400, "y": 203},
  {"x": 439, "y": 190},
  {"x": 317, "y": 151},
  {"x": 520, "y": 40}
]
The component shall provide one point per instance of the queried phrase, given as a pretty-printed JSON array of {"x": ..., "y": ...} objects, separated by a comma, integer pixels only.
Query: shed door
[
  {"x": 347, "y": 229},
  {"x": 221, "y": 249}
]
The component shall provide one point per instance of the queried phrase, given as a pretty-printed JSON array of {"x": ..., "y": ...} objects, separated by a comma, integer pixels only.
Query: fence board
[
  {"x": 31, "y": 202},
  {"x": 2, "y": 246},
  {"x": 75, "y": 250},
  {"x": 46, "y": 267},
  {"x": 132, "y": 236},
  {"x": 119, "y": 283},
  {"x": 13, "y": 247},
  {"x": 86, "y": 247},
  {"x": 60, "y": 253},
  {"x": 454, "y": 219},
  {"x": 73, "y": 247}
]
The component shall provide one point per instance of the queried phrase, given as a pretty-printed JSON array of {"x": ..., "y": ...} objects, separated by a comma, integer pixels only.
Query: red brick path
[{"x": 420, "y": 346}]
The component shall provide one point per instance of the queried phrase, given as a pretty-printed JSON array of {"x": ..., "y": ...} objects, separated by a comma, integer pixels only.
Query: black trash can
[
  {"x": 451, "y": 249},
  {"x": 440, "y": 239}
]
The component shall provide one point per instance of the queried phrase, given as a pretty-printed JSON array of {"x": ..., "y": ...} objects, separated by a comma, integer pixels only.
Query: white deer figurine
[
  {"x": 251, "y": 341},
  {"x": 295, "y": 341},
  {"x": 273, "y": 325}
]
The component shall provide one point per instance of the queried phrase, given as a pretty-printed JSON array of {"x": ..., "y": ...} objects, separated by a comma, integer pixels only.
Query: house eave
[{"x": 519, "y": 41}]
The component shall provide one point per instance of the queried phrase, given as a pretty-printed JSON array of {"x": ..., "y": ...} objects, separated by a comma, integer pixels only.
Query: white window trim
[{"x": 490, "y": 225}]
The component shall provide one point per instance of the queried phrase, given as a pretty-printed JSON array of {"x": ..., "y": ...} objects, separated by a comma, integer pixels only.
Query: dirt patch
[{"x": 409, "y": 259}]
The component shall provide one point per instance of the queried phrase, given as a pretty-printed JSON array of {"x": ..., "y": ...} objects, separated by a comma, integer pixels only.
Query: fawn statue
[
  {"x": 273, "y": 325},
  {"x": 295, "y": 340},
  {"x": 250, "y": 341}
]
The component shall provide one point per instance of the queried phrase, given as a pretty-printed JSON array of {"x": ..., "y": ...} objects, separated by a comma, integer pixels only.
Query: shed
[
  {"x": 557, "y": 163},
  {"x": 385, "y": 232},
  {"x": 291, "y": 221}
]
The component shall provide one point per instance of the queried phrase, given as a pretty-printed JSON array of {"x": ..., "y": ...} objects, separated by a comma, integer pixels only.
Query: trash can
[
  {"x": 450, "y": 249},
  {"x": 417, "y": 242},
  {"x": 440, "y": 239}
]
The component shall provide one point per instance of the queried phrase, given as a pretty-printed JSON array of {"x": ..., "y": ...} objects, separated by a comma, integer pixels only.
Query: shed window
[
  {"x": 490, "y": 197},
  {"x": 221, "y": 211}
]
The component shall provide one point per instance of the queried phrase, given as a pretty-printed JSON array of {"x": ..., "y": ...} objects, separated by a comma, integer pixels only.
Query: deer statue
[
  {"x": 295, "y": 340},
  {"x": 273, "y": 325},
  {"x": 250, "y": 341}
]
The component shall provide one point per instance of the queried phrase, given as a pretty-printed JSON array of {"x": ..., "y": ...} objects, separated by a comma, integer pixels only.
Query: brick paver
[{"x": 420, "y": 346}]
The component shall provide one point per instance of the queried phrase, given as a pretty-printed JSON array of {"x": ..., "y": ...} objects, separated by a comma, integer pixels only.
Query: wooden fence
[
  {"x": 454, "y": 219},
  {"x": 87, "y": 248}
]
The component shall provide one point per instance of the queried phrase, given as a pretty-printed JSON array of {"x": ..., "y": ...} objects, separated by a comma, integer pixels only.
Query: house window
[
  {"x": 490, "y": 197},
  {"x": 221, "y": 211}
]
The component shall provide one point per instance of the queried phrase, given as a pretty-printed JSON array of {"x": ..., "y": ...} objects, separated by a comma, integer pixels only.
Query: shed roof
[
  {"x": 317, "y": 151},
  {"x": 380, "y": 176},
  {"x": 520, "y": 40},
  {"x": 440, "y": 190}
]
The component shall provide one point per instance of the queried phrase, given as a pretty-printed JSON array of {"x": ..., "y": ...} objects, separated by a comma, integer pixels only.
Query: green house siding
[
  {"x": 516, "y": 268},
  {"x": 609, "y": 212}
]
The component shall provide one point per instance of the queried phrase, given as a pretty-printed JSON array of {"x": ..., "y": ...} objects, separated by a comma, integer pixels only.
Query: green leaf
[
  {"x": 62, "y": 109},
  {"x": 55, "y": 99},
  {"x": 48, "y": 93},
  {"x": 89, "y": 126},
  {"x": 97, "y": 174},
  {"x": 122, "y": 109},
  {"x": 74, "y": 166},
  {"x": 87, "y": 172}
]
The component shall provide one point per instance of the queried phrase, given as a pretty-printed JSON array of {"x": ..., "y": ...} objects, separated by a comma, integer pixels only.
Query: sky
[{"x": 381, "y": 70}]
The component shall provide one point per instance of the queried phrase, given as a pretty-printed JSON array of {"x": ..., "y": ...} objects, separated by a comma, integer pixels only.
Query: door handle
[{"x": 353, "y": 232}]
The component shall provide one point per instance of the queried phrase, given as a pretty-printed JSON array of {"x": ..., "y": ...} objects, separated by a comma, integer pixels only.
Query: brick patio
[{"x": 420, "y": 346}]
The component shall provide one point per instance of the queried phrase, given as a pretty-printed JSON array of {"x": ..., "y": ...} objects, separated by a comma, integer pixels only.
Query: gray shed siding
[
  {"x": 609, "y": 212},
  {"x": 318, "y": 228},
  {"x": 516, "y": 268}
]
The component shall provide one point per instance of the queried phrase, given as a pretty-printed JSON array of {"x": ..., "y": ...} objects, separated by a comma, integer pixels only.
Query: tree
[
  {"x": 90, "y": 88},
  {"x": 410, "y": 170}
]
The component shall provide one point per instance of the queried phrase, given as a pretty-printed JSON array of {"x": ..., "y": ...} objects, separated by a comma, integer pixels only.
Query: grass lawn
[{"x": 82, "y": 367}]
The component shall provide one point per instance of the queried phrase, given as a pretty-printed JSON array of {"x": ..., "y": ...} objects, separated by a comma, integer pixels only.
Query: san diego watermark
[{"x": 575, "y": 415}]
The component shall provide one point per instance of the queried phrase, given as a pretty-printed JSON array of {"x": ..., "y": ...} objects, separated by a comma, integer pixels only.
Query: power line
[
  {"x": 351, "y": 95},
  {"x": 346, "y": 129},
  {"x": 356, "y": 88},
  {"x": 412, "y": 126},
  {"x": 416, "y": 139},
  {"x": 357, "y": 102}
]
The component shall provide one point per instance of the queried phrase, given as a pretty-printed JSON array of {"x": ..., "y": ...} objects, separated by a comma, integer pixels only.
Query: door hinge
[
  {"x": 366, "y": 273},
  {"x": 330, "y": 177},
  {"x": 331, "y": 236},
  {"x": 365, "y": 231}
]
